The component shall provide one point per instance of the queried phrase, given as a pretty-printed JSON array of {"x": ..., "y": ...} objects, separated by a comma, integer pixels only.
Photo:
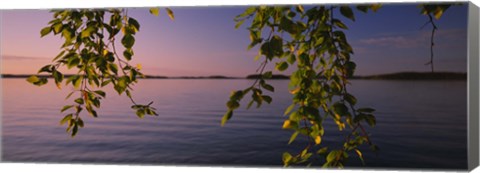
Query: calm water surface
[{"x": 420, "y": 124}]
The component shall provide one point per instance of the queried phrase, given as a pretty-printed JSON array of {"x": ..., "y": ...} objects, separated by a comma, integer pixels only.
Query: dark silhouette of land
[
  {"x": 274, "y": 76},
  {"x": 395, "y": 76},
  {"x": 391, "y": 76},
  {"x": 418, "y": 76}
]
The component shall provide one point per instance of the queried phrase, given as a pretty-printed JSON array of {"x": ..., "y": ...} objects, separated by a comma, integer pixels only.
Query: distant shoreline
[{"x": 390, "y": 76}]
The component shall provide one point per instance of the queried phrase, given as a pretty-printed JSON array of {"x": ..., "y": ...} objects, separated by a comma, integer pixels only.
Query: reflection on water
[{"x": 420, "y": 124}]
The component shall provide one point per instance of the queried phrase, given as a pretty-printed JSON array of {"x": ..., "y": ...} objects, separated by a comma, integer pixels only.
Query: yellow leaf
[
  {"x": 286, "y": 124},
  {"x": 123, "y": 30},
  {"x": 438, "y": 14},
  {"x": 295, "y": 90},
  {"x": 170, "y": 13},
  {"x": 359, "y": 153},
  {"x": 342, "y": 126},
  {"x": 105, "y": 52},
  {"x": 300, "y": 8},
  {"x": 139, "y": 66},
  {"x": 59, "y": 86},
  {"x": 375, "y": 7},
  {"x": 318, "y": 139},
  {"x": 337, "y": 117},
  {"x": 257, "y": 57},
  {"x": 154, "y": 11}
]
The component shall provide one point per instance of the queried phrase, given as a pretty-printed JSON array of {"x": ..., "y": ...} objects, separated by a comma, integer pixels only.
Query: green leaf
[
  {"x": 237, "y": 95},
  {"x": 292, "y": 138},
  {"x": 45, "y": 31},
  {"x": 322, "y": 151},
  {"x": 74, "y": 130},
  {"x": 257, "y": 98},
  {"x": 291, "y": 59},
  {"x": 266, "y": 50},
  {"x": 96, "y": 102},
  {"x": 57, "y": 28},
  {"x": 267, "y": 75},
  {"x": 80, "y": 122},
  {"x": 128, "y": 41},
  {"x": 362, "y": 8},
  {"x": 312, "y": 112},
  {"x": 66, "y": 119},
  {"x": 340, "y": 24},
  {"x": 227, "y": 117},
  {"x": 72, "y": 62},
  {"x": 128, "y": 93},
  {"x": 151, "y": 112},
  {"x": 350, "y": 68},
  {"x": 134, "y": 23},
  {"x": 340, "y": 109},
  {"x": 350, "y": 98},
  {"x": 68, "y": 35},
  {"x": 347, "y": 12},
  {"x": 248, "y": 11},
  {"x": 121, "y": 85},
  {"x": 69, "y": 95},
  {"x": 155, "y": 11},
  {"x": 77, "y": 82},
  {"x": 93, "y": 113},
  {"x": 100, "y": 92},
  {"x": 250, "y": 104},
  {"x": 267, "y": 86},
  {"x": 79, "y": 101},
  {"x": 370, "y": 120},
  {"x": 33, "y": 79},
  {"x": 282, "y": 66},
  {"x": 286, "y": 157},
  {"x": 267, "y": 99},
  {"x": 239, "y": 23},
  {"x": 66, "y": 108},
  {"x": 170, "y": 13},
  {"x": 59, "y": 55},
  {"x": 37, "y": 81},
  {"x": 275, "y": 45},
  {"x": 374, "y": 148},
  {"x": 113, "y": 68},
  {"x": 287, "y": 25},
  {"x": 123, "y": 81},
  {"x": 57, "y": 76},
  {"x": 128, "y": 53},
  {"x": 289, "y": 109},
  {"x": 87, "y": 32},
  {"x": 105, "y": 83},
  {"x": 47, "y": 68},
  {"x": 232, "y": 104},
  {"x": 332, "y": 155},
  {"x": 366, "y": 110},
  {"x": 140, "y": 113}
]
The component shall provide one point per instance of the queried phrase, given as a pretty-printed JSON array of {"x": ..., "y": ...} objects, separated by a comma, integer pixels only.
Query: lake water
[{"x": 420, "y": 124}]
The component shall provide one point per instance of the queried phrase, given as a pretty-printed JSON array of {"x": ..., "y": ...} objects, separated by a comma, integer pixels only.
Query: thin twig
[{"x": 434, "y": 28}]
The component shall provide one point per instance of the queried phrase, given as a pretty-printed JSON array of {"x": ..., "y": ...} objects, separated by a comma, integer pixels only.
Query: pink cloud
[
  {"x": 395, "y": 41},
  {"x": 421, "y": 39}
]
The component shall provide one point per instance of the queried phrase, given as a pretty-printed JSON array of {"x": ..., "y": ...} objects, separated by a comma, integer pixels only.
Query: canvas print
[{"x": 355, "y": 86}]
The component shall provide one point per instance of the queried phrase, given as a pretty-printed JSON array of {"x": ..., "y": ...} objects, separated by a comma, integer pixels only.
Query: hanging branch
[{"x": 434, "y": 28}]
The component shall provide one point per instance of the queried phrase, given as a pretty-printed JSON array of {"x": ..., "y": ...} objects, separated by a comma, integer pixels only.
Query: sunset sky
[{"x": 202, "y": 41}]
